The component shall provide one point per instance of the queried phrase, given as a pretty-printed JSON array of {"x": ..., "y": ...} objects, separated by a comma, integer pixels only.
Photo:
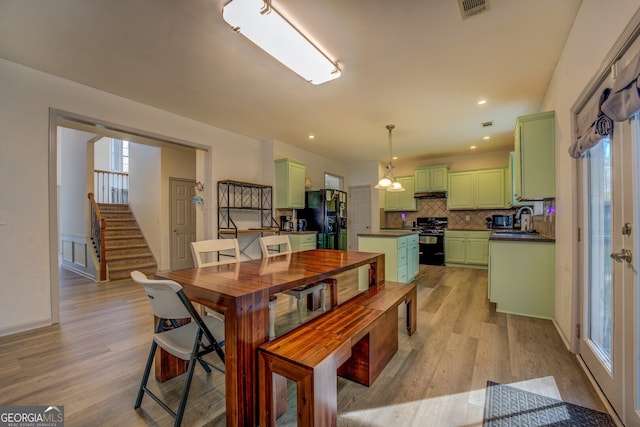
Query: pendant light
[{"x": 388, "y": 181}]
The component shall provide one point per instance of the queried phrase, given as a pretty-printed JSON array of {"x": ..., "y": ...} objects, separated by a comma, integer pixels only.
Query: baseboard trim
[
  {"x": 78, "y": 271},
  {"x": 25, "y": 327}
]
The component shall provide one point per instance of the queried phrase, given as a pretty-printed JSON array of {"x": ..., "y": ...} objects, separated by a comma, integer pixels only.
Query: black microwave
[{"x": 502, "y": 221}]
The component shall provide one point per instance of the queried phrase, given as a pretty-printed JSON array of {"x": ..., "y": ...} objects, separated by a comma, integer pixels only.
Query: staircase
[{"x": 126, "y": 249}]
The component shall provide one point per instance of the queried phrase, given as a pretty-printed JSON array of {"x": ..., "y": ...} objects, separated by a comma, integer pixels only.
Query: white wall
[
  {"x": 73, "y": 200},
  {"x": 27, "y": 96},
  {"x": 145, "y": 194},
  {"x": 594, "y": 32}
]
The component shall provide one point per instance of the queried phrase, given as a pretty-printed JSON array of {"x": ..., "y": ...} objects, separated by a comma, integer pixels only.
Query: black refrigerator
[{"x": 326, "y": 212}]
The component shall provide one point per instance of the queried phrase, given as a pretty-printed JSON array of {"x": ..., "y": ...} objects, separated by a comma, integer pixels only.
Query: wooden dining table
[{"x": 241, "y": 291}]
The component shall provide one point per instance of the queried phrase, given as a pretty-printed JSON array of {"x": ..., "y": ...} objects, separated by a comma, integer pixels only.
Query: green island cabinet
[
  {"x": 401, "y": 257},
  {"x": 522, "y": 277},
  {"x": 305, "y": 241},
  {"x": 534, "y": 166},
  {"x": 431, "y": 178},
  {"x": 466, "y": 247},
  {"x": 401, "y": 200},
  {"x": 477, "y": 189},
  {"x": 289, "y": 184}
]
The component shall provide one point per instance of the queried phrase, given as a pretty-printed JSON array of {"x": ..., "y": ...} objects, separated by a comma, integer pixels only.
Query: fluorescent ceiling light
[{"x": 261, "y": 23}]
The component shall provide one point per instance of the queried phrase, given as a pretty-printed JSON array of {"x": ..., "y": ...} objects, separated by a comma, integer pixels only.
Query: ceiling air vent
[
  {"x": 487, "y": 124},
  {"x": 469, "y": 8}
]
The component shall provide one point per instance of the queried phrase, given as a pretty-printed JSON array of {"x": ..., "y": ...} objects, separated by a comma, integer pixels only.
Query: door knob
[{"x": 625, "y": 255}]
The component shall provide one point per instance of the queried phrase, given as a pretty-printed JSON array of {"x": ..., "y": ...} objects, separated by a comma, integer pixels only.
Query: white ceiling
[{"x": 413, "y": 63}]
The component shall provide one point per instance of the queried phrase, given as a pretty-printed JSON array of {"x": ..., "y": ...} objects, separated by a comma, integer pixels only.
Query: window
[
  {"x": 119, "y": 155},
  {"x": 333, "y": 182}
]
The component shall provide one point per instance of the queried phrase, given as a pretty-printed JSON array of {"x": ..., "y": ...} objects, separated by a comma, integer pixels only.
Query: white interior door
[
  {"x": 359, "y": 213},
  {"x": 183, "y": 223}
]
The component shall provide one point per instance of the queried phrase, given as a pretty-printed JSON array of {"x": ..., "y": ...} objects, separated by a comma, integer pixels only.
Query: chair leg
[
  {"x": 272, "y": 319},
  {"x": 187, "y": 381},
  {"x": 300, "y": 308},
  {"x": 323, "y": 292},
  {"x": 291, "y": 299},
  {"x": 145, "y": 375}
]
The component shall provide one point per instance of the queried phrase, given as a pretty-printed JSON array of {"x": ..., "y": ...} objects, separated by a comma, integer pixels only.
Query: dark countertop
[
  {"x": 524, "y": 237},
  {"x": 390, "y": 233},
  {"x": 470, "y": 229}
]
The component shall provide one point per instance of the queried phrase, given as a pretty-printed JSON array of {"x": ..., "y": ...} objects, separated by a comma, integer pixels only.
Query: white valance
[
  {"x": 624, "y": 100},
  {"x": 592, "y": 126}
]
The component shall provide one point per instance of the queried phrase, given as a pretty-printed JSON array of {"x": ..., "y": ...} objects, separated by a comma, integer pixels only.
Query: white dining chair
[
  {"x": 189, "y": 341},
  {"x": 215, "y": 252}
]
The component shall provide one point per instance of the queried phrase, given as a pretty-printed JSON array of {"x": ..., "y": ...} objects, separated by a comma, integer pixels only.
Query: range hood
[{"x": 431, "y": 195}]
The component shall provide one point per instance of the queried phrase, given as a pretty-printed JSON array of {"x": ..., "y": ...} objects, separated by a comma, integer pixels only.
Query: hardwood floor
[{"x": 92, "y": 362}]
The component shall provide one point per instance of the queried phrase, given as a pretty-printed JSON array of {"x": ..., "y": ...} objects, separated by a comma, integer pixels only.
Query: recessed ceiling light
[
  {"x": 482, "y": 102},
  {"x": 473, "y": 147},
  {"x": 486, "y": 137},
  {"x": 312, "y": 137},
  {"x": 395, "y": 157}
]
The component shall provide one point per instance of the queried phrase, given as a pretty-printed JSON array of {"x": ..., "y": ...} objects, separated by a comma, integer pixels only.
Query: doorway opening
[{"x": 151, "y": 185}]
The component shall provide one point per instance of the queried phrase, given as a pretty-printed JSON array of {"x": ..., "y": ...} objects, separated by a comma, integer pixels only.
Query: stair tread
[
  {"x": 120, "y": 247},
  {"x": 132, "y": 267},
  {"x": 129, "y": 256}
]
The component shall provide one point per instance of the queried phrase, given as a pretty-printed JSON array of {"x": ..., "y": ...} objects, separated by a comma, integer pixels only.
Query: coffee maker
[{"x": 286, "y": 224}]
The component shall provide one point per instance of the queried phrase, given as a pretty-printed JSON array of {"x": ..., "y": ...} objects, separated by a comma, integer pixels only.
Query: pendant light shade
[{"x": 389, "y": 182}]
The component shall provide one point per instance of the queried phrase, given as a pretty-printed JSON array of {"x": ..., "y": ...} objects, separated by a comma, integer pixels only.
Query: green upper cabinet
[
  {"x": 432, "y": 178},
  {"x": 490, "y": 188},
  {"x": 477, "y": 189},
  {"x": 534, "y": 166},
  {"x": 289, "y": 184},
  {"x": 461, "y": 190},
  {"x": 401, "y": 200},
  {"x": 510, "y": 184}
]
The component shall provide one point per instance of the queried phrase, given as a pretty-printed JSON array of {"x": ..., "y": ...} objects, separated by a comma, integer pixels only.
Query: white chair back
[
  {"x": 163, "y": 295},
  {"x": 275, "y": 245},
  {"x": 217, "y": 251}
]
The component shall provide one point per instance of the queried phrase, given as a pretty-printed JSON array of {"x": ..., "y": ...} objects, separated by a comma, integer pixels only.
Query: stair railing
[
  {"x": 98, "y": 225},
  {"x": 111, "y": 187}
]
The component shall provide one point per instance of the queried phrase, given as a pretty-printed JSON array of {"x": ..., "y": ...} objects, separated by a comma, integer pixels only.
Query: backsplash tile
[{"x": 458, "y": 219}]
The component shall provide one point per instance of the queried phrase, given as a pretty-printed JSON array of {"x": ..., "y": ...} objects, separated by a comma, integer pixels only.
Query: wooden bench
[{"x": 354, "y": 340}]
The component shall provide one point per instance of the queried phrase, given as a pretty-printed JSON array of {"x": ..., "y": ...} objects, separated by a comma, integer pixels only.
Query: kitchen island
[{"x": 401, "y": 251}]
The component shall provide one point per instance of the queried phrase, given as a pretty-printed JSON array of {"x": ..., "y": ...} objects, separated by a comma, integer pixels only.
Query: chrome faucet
[{"x": 525, "y": 223}]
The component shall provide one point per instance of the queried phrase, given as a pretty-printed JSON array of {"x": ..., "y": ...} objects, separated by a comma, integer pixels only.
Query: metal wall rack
[{"x": 237, "y": 195}]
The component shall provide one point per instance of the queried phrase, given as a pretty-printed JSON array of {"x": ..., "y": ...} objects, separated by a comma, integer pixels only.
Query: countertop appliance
[
  {"x": 502, "y": 221},
  {"x": 326, "y": 212},
  {"x": 286, "y": 223},
  {"x": 431, "y": 239}
]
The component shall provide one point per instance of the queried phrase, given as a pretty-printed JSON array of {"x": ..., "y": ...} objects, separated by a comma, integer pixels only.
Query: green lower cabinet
[
  {"x": 400, "y": 255},
  {"x": 466, "y": 248},
  {"x": 522, "y": 277},
  {"x": 302, "y": 242}
]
